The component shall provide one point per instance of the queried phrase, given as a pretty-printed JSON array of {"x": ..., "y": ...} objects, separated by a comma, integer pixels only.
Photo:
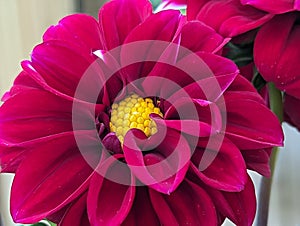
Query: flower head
[{"x": 133, "y": 119}]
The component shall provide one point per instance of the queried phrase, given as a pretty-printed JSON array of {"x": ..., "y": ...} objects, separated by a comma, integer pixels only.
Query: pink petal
[
  {"x": 233, "y": 18},
  {"x": 76, "y": 214},
  {"x": 12, "y": 154},
  {"x": 278, "y": 60},
  {"x": 35, "y": 113},
  {"x": 224, "y": 166},
  {"x": 239, "y": 207},
  {"x": 258, "y": 160},
  {"x": 197, "y": 36},
  {"x": 80, "y": 29},
  {"x": 188, "y": 205},
  {"x": 292, "y": 111},
  {"x": 118, "y": 18},
  {"x": 147, "y": 42},
  {"x": 142, "y": 212},
  {"x": 61, "y": 65},
  {"x": 192, "y": 118},
  {"x": 22, "y": 83},
  {"x": 248, "y": 129},
  {"x": 35, "y": 197},
  {"x": 275, "y": 6},
  {"x": 165, "y": 166},
  {"x": 109, "y": 202},
  {"x": 204, "y": 75}
]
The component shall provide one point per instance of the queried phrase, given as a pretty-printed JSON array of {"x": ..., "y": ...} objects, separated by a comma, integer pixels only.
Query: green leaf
[{"x": 42, "y": 223}]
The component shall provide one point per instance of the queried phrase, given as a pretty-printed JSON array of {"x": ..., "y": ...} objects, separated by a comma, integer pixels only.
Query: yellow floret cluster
[{"x": 133, "y": 112}]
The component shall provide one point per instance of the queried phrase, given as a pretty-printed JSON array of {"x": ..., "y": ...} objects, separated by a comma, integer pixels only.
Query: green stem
[{"x": 276, "y": 106}]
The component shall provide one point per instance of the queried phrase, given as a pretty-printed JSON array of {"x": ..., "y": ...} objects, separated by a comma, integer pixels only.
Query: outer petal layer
[
  {"x": 33, "y": 194},
  {"x": 188, "y": 205},
  {"x": 109, "y": 201}
]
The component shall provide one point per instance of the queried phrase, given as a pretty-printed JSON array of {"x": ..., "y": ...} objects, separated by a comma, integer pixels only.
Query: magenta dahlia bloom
[
  {"x": 133, "y": 120},
  {"x": 275, "y": 6},
  {"x": 232, "y": 18}
]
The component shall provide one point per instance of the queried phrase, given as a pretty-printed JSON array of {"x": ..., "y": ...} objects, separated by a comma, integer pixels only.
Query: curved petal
[
  {"x": 147, "y": 42},
  {"x": 292, "y": 110},
  {"x": 275, "y": 6},
  {"x": 109, "y": 201},
  {"x": 226, "y": 169},
  {"x": 188, "y": 205},
  {"x": 142, "y": 203},
  {"x": 258, "y": 160},
  {"x": 76, "y": 214},
  {"x": 34, "y": 197},
  {"x": 277, "y": 61},
  {"x": 201, "y": 75},
  {"x": 248, "y": 129},
  {"x": 61, "y": 66},
  {"x": 23, "y": 82},
  {"x": 165, "y": 166},
  {"x": 233, "y": 17},
  {"x": 239, "y": 207},
  {"x": 197, "y": 36},
  {"x": 199, "y": 119},
  {"x": 118, "y": 18},
  {"x": 80, "y": 29},
  {"x": 36, "y": 113}
]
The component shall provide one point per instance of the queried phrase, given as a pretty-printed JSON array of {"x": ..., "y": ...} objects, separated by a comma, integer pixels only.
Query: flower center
[{"x": 133, "y": 112}]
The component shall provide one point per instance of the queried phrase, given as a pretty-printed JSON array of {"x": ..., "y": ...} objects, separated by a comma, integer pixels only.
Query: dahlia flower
[{"x": 133, "y": 119}]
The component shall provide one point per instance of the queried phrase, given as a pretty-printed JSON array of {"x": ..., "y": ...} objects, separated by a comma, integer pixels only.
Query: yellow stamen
[{"x": 133, "y": 112}]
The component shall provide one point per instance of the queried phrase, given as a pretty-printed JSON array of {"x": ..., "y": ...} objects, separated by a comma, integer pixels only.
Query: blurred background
[{"x": 22, "y": 24}]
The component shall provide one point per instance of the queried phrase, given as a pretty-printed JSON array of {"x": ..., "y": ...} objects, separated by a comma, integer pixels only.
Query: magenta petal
[
  {"x": 278, "y": 61},
  {"x": 258, "y": 160},
  {"x": 22, "y": 83},
  {"x": 22, "y": 114},
  {"x": 185, "y": 113},
  {"x": 118, "y": 18},
  {"x": 142, "y": 212},
  {"x": 191, "y": 127},
  {"x": 226, "y": 169},
  {"x": 202, "y": 75},
  {"x": 233, "y": 18},
  {"x": 147, "y": 42},
  {"x": 78, "y": 28},
  {"x": 76, "y": 214},
  {"x": 245, "y": 129},
  {"x": 243, "y": 204},
  {"x": 33, "y": 197},
  {"x": 197, "y": 36},
  {"x": 188, "y": 205},
  {"x": 292, "y": 110},
  {"x": 12, "y": 154},
  {"x": 274, "y": 6},
  {"x": 109, "y": 202},
  {"x": 165, "y": 166},
  {"x": 61, "y": 65},
  {"x": 239, "y": 207}
]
